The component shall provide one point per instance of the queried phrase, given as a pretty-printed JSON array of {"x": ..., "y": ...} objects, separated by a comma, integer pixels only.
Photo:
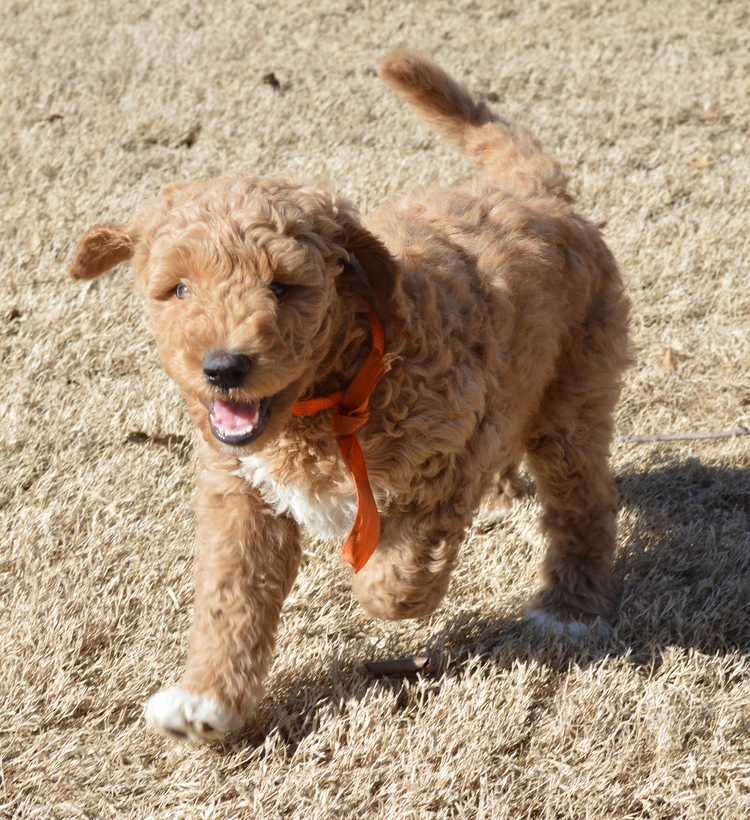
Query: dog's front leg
[
  {"x": 246, "y": 562},
  {"x": 408, "y": 575}
]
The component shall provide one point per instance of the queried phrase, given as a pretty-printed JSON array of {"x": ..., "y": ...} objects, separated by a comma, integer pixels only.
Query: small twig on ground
[
  {"x": 397, "y": 667},
  {"x": 166, "y": 440},
  {"x": 738, "y": 431}
]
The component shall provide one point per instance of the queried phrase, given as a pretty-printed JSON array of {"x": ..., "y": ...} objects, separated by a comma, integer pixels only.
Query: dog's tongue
[{"x": 231, "y": 418}]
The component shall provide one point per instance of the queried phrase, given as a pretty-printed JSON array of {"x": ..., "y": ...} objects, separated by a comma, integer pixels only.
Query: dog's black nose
[{"x": 224, "y": 369}]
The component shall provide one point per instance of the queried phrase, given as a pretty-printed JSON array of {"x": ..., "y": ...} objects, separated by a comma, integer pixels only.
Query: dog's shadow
[
  {"x": 682, "y": 577},
  {"x": 683, "y": 570}
]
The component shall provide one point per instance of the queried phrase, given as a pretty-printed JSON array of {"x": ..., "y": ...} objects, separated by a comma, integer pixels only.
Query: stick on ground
[
  {"x": 397, "y": 667},
  {"x": 738, "y": 431}
]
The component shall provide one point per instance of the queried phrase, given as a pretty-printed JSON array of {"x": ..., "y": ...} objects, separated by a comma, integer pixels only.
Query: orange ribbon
[{"x": 350, "y": 412}]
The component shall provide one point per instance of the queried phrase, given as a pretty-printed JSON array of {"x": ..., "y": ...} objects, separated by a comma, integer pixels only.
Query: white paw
[
  {"x": 177, "y": 714},
  {"x": 575, "y": 629}
]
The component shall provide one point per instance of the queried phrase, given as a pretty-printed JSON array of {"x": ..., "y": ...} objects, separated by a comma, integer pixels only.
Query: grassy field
[{"x": 647, "y": 103}]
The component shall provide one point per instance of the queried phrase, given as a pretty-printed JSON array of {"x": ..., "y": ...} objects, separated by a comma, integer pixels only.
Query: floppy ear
[
  {"x": 369, "y": 259},
  {"x": 103, "y": 247}
]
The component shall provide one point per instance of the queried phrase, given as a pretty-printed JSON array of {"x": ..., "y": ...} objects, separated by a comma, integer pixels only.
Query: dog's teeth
[
  {"x": 243, "y": 430},
  {"x": 251, "y": 425}
]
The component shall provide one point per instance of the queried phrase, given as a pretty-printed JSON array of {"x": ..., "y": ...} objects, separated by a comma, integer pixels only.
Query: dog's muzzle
[{"x": 225, "y": 370}]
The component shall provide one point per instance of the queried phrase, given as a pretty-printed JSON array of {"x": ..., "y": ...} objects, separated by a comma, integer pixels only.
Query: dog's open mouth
[{"x": 238, "y": 422}]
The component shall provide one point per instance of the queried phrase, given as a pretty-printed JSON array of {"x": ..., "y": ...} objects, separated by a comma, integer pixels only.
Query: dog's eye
[
  {"x": 181, "y": 291},
  {"x": 278, "y": 289}
]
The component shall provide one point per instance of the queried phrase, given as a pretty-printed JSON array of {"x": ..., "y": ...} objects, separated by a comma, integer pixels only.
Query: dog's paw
[
  {"x": 177, "y": 714},
  {"x": 547, "y": 622},
  {"x": 488, "y": 517},
  {"x": 497, "y": 507}
]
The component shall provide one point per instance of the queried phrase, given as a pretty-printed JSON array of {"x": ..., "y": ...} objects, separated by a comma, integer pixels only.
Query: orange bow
[{"x": 350, "y": 412}]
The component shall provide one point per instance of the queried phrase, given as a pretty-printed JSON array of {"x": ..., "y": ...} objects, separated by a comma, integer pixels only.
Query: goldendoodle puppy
[{"x": 379, "y": 381}]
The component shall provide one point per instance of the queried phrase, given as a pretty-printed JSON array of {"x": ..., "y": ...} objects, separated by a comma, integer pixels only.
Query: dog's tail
[{"x": 504, "y": 151}]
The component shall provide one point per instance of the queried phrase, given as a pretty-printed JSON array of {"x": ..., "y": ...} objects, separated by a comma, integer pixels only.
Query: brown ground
[{"x": 104, "y": 101}]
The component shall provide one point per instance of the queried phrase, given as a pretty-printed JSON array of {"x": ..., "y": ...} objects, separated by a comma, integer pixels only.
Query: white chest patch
[{"x": 324, "y": 512}]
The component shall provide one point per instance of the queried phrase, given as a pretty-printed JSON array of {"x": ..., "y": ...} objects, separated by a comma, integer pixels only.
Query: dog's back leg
[{"x": 568, "y": 455}]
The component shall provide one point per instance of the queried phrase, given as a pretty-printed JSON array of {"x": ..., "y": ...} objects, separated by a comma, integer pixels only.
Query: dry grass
[{"x": 99, "y": 102}]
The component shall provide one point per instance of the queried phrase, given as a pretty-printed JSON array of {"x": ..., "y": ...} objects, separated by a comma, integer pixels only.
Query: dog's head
[{"x": 247, "y": 282}]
